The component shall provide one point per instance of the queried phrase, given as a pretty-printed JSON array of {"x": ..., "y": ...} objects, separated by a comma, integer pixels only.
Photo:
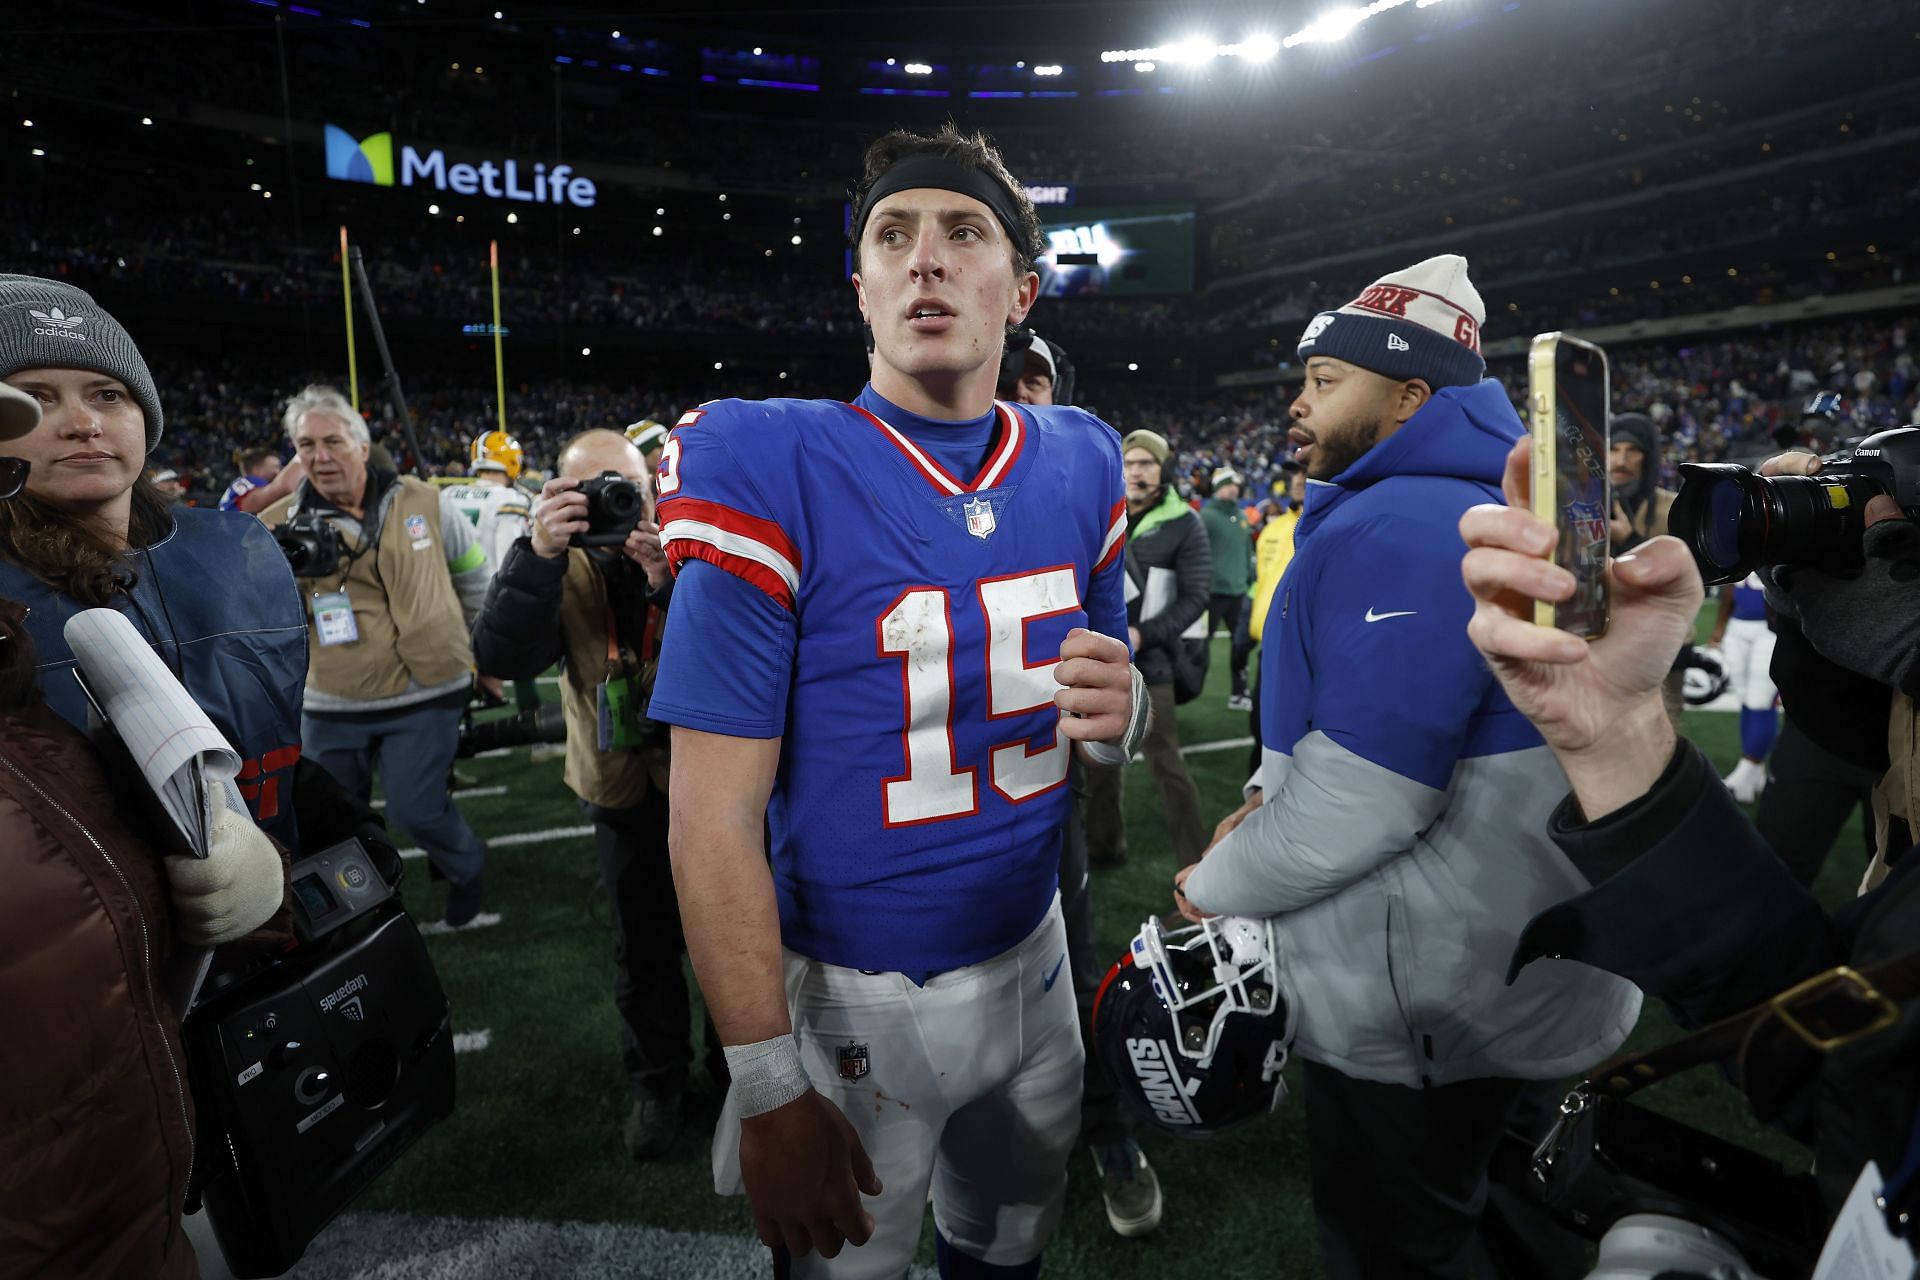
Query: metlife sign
[{"x": 372, "y": 160}]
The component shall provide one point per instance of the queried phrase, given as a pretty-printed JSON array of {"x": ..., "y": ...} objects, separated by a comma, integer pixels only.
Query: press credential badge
[{"x": 333, "y": 618}]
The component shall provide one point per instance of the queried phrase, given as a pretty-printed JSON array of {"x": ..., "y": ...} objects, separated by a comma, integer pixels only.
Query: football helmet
[
  {"x": 497, "y": 451},
  {"x": 1194, "y": 1025},
  {"x": 1704, "y": 674}
]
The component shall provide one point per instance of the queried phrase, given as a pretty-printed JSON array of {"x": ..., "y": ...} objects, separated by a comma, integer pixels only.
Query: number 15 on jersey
[{"x": 918, "y": 631}]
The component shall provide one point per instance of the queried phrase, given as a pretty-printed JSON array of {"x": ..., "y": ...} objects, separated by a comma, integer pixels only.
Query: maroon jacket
[{"x": 96, "y": 1121}]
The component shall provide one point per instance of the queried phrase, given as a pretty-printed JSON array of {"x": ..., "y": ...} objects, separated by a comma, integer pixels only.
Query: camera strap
[{"x": 1828, "y": 1011}]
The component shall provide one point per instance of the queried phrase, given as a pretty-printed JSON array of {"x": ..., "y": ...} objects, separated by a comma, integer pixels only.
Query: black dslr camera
[
  {"x": 1734, "y": 520},
  {"x": 545, "y": 724},
  {"x": 1664, "y": 1199},
  {"x": 311, "y": 544},
  {"x": 614, "y": 505}
]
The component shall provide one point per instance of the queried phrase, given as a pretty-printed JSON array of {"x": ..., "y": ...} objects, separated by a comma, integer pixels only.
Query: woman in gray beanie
[{"x": 209, "y": 589}]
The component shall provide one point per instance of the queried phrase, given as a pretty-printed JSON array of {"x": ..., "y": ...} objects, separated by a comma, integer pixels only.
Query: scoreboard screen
[{"x": 1117, "y": 251}]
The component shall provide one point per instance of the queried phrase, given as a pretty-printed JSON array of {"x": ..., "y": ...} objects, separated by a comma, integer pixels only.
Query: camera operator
[
  {"x": 390, "y": 668},
  {"x": 92, "y": 912},
  {"x": 1666, "y": 849},
  {"x": 601, "y": 611}
]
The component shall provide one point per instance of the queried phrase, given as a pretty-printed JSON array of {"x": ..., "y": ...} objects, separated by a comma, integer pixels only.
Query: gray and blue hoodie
[{"x": 1403, "y": 838}]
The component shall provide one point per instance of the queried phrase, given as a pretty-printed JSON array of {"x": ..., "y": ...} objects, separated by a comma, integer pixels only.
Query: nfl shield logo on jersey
[
  {"x": 416, "y": 527},
  {"x": 979, "y": 513},
  {"x": 853, "y": 1057}
]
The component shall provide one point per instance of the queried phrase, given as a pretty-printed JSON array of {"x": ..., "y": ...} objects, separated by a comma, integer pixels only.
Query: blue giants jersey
[
  {"x": 917, "y": 810},
  {"x": 1750, "y": 599}
]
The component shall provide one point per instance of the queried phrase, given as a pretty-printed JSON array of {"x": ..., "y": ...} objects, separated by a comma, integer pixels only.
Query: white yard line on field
[{"x": 470, "y": 793}]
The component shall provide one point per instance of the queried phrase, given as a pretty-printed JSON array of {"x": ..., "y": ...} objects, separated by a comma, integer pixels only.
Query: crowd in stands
[{"x": 1714, "y": 399}]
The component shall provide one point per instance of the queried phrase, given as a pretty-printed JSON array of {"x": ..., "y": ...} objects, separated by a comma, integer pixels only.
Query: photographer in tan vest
[{"x": 389, "y": 671}]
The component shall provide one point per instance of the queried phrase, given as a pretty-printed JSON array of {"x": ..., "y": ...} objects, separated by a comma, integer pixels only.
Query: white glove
[{"x": 232, "y": 891}]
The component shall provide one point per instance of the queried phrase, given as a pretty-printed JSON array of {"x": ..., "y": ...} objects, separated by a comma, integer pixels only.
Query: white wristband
[
  {"x": 767, "y": 1075},
  {"x": 1139, "y": 716}
]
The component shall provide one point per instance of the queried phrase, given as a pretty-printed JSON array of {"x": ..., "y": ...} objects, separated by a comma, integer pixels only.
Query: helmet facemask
[{"x": 1207, "y": 972}]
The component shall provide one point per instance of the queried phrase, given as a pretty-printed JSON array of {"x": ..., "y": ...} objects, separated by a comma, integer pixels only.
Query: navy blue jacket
[{"x": 220, "y": 606}]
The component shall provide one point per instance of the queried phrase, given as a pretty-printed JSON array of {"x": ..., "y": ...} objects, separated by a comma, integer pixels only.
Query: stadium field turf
[{"x": 536, "y": 1133}]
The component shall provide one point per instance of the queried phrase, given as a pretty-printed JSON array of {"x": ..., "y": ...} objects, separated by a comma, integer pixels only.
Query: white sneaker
[
  {"x": 1747, "y": 781},
  {"x": 1239, "y": 702}
]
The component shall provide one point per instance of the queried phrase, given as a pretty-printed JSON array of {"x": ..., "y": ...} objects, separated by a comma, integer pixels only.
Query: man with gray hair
[{"x": 390, "y": 668}]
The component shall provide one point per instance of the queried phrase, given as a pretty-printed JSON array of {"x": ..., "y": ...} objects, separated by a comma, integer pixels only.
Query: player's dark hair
[{"x": 969, "y": 150}]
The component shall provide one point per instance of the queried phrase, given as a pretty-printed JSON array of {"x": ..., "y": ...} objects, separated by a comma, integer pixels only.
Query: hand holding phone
[{"x": 1567, "y": 399}]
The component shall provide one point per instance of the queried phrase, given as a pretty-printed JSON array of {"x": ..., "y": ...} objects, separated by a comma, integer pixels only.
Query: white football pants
[
  {"x": 1748, "y": 648},
  {"x": 969, "y": 1086}
]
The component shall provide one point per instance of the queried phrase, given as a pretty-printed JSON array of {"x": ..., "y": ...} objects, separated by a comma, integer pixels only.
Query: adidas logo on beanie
[
  {"x": 1423, "y": 322},
  {"x": 47, "y": 324}
]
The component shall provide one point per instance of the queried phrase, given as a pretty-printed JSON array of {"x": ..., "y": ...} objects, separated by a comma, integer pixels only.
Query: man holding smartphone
[{"x": 1398, "y": 824}]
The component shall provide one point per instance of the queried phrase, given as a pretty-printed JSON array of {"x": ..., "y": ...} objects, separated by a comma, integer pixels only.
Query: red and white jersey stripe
[
  {"x": 1116, "y": 538},
  {"x": 1006, "y": 452},
  {"x": 754, "y": 549}
]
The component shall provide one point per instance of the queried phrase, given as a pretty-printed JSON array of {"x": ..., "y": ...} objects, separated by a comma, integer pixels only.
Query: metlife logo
[{"x": 372, "y": 160}]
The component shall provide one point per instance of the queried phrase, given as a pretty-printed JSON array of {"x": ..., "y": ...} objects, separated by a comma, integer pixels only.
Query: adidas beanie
[
  {"x": 1423, "y": 322},
  {"x": 48, "y": 325}
]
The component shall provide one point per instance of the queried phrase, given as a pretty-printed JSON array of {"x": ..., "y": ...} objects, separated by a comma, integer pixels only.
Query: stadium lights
[
  {"x": 586, "y": 351},
  {"x": 1143, "y": 67},
  {"x": 513, "y": 217},
  {"x": 26, "y": 124},
  {"x": 919, "y": 69},
  {"x": 1132, "y": 368},
  {"x": 659, "y": 231},
  {"x": 1191, "y": 52},
  {"x": 253, "y": 186},
  {"x": 1052, "y": 69},
  {"x": 783, "y": 375},
  {"x": 576, "y": 231},
  {"x": 757, "y": 51},
  {"x": 796, "y": 240},
  {"x": 1334, "y": 25},
  {"x": 433, "y": 209},
  {"x": 147, "y": 120},
  {"x": 726, "y": 217},
  {"x": 616, "y": 35},
  {"x": 719, "y": 364},
  {"x": 37, "y": 151}
]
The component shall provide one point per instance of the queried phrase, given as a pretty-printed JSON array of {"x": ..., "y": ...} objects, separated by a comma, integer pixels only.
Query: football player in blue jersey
[
  {"x": 892, "y": 621},
  {"x": 1743, "y": 635}
]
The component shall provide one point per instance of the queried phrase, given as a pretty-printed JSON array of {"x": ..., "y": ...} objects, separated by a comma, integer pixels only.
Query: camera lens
[
  {"x": 1735, "y": 521},
  {"x": 620, "y": 499}
]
